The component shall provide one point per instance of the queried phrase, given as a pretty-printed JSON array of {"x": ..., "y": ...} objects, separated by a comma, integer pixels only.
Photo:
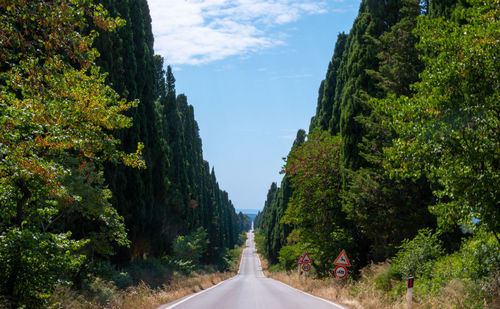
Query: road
[{"x": 251, "y": 289}]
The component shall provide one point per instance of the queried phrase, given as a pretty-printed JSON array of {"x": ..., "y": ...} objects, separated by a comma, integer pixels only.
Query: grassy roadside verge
[
  {"x": 448, "y": 282},
  {"x": 141, "y": 296},
  {"x": 348, "y": 293},
  {"x": 104, "y": 294}
]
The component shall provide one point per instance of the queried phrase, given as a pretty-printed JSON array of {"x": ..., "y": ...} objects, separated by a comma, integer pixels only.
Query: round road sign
[
  {"x": 340, "y": 272},
  {"x": 306, "y": 267}
]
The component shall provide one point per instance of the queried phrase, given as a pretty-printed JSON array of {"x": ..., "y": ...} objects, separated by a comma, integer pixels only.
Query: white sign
[
  {"x": 340, "y": 272},
  {"x": 306, "y": 259}
]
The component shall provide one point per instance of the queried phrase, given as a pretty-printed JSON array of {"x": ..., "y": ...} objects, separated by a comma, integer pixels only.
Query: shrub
[
  {"x": 288, "y": 256},
  {"x": 413, "y": 255},
  {"x": 152, "y": 271},
  {"x": 192, "y": 246},
  {"x": 32, "y": 263}
]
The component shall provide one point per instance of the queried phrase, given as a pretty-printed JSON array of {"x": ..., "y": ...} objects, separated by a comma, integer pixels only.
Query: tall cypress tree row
[
  {"x": 328, "y": 110},
  {"x": 360, "y": 55},
  {"x": 270, "y": 219},
  {"x": 378, "y": 58},
  {"x": 176, "y": 193},
  {"x": 128, "y": 58}
]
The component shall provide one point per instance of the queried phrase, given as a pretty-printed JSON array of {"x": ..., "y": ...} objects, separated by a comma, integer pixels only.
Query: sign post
[
  {"x": 342, "y": 262},
  {"x": 304, "y": 262},
  {"x": 299, "y": 263},
  {"x": 409, "y": 293}
]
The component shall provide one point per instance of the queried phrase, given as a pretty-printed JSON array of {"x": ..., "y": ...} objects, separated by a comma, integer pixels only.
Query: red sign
[
  {"x": 306, "y": 259},
  {"x": 299, "y": 261},
  {"x": 342, "y": 259},
  {"x": 306, "y": 267},
  {"x": 340, "y": 272}
]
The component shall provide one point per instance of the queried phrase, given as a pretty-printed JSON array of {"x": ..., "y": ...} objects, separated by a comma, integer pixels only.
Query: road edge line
[
  {"x": 317, "y": 297},
  {"x": 188, "y": 297}
]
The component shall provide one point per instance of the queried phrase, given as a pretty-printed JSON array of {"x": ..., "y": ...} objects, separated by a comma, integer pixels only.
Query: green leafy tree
[
  {"x": 192, "y": 246},
  {"x": 56, "y": 114},
  {"x": 414, "y": 255},
  {"x": 315, "y": 209},
  {"x": 448, "y": 131}
]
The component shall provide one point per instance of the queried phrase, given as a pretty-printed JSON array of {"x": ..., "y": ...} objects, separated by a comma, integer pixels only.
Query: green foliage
[
  {"x": 415, "y": 257},
  {"x": 192, "y": 246},
  {"x": 242, "y": 238},
  {"x": 32, "y": 262},
  {"x": 289, "y": 255},
  {"x": 155, "y": 271},
  {"x": 470, "y": 271},
  {"x": 448, "y": 130},
  {"x": 177, "y": 193},
  {"x": 383, "y": 280},
  {"x": 315, "y": 208},
  {"x": 260, "y": 241},
  {"x": 100, "y": 290},
  {"x": 56, "y": 115}
]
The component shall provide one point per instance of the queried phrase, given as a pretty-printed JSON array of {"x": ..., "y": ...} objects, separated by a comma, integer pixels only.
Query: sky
[{"x": 251, "y": 69}]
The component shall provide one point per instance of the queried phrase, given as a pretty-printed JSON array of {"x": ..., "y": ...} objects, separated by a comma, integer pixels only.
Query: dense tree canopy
[
  {"x": 56, "y": 115},
  {"x": 411, "y": 96},
  {"x": 448, "y": 130},
  {"x": 86, "y": 140}
]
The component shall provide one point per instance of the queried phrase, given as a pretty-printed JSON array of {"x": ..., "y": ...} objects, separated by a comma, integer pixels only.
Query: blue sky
[{"x": 251, "y": 69}]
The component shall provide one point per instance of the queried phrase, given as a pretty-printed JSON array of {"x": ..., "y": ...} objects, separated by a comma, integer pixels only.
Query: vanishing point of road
[{"x": 250, "y": 289}]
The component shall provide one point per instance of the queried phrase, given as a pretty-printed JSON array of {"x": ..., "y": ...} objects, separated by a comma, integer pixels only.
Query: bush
[
  {"x": 242, "y": 238},
  {"x": 107, "y": 271},
  {"x": 413, "y": 255},
  {"x": 101, "y": 291},
  {"x": 472, "y": 268},
  {"x": 192, "y": 246},
  {"x": 288, "y": 256},
  {"x": 260, "y": 241},
  {"x": 152, "y": 271},
  {"x": 32, "y": 263}
]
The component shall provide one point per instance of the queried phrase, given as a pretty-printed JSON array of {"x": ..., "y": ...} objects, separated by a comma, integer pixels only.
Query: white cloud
[{"x": 201, "y": 31}]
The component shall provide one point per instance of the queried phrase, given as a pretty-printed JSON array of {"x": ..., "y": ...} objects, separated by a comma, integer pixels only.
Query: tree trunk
[{"x": 26, "y": 195}]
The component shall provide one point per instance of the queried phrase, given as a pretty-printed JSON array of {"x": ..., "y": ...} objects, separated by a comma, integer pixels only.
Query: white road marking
[{"x": 196, "y": 294}]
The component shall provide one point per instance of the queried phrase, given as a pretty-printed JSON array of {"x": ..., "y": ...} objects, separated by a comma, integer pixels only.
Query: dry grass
[
  {"x": 144, "y": 297},
  {"x": 364, "y": 294},
  {"x": 140, "y": 296},
  {"x": 358, "y": 295}
]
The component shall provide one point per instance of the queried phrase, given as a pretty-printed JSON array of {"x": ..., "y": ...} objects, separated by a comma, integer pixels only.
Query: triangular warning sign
[
  {"x": 306, "y": 259},
  {"x": 342, "y": 259},
  {"x": 299, "y": 261}
]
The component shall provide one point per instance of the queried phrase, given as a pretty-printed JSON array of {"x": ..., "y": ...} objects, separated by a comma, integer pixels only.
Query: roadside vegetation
[
  {"x": 152, "y": 282},
  {"x": 103, "y": 184},
  {"x": 400, "y": 167},
  {"x": 466, "y": 278}
]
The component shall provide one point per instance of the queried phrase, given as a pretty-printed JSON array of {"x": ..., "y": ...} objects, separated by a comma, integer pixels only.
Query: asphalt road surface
[{"x": 250, "y": 289}]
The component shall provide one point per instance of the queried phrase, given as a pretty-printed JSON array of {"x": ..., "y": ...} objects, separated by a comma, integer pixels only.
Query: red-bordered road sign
[
  {"x": 342, "y": 259},
  {"x": 306, "y": 259},
  {"x": 340, "y": 272},
  {"x": 299, "y": 261},
  {"x": 306, "y": 267}
]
